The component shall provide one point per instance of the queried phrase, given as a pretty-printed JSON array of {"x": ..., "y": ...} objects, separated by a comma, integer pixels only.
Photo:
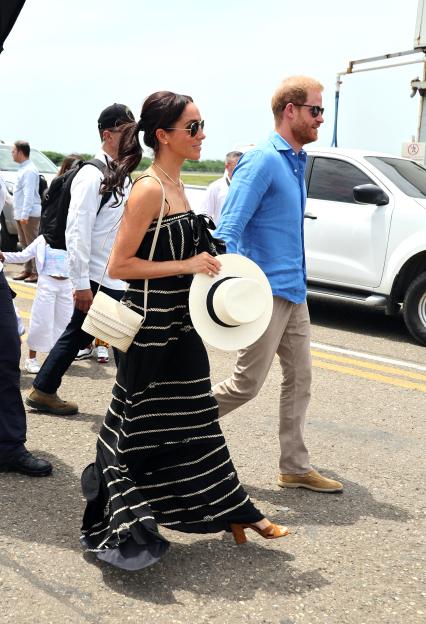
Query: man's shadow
[{"x": 314, "y": 509}]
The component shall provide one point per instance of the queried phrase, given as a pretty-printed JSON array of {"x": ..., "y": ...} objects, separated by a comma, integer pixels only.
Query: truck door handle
[{"x": 309, "y": 215}]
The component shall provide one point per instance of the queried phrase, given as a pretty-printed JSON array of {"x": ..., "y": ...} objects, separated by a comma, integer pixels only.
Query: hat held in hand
[{"x": 233, "y": 309}]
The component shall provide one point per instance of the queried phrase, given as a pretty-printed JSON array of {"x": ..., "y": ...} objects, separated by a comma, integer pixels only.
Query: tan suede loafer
[
  {"x": 312, "y": 480},
  {"x": 50, "y": 403}
]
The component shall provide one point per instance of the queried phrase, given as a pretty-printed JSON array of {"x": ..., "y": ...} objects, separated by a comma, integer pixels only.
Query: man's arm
[
  {"x": 29, "y": 185},
  {"x": 84, "y": 204},
  {"x": 250, "y": 181}
]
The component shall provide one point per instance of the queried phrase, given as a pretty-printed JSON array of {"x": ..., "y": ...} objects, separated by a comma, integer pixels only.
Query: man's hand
[
  {"x": 83, "y": 299},
  {"x": 24, "y": 221}
]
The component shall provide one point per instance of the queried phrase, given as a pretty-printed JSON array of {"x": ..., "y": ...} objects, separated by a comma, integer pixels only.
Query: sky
[{"x": 66, "y": 60}]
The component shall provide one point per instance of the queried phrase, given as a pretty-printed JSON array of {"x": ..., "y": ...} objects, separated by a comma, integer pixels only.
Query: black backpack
[
  {"x": 42, "y": 186},
  {"x": 55, "y": 204}
]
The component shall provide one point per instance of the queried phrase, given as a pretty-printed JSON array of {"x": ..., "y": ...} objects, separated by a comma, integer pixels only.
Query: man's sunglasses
[
  {"x": 315, "y": 110},
  {"x": 192, "y": 129}
]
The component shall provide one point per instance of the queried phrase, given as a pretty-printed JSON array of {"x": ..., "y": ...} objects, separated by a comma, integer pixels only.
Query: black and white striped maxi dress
[{"x": 161, "y": 455}]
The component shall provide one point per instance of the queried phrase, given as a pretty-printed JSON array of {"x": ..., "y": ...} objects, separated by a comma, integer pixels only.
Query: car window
[
  {"x": 408, "y": 176},
  {"x": 333, "y": 180},
  {"x": 43, "y": 164}
]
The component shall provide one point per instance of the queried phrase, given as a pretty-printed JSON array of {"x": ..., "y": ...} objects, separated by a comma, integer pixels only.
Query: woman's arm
[{"x": 143, "y": 206}]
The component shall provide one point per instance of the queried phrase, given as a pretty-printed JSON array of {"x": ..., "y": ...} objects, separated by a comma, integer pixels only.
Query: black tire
[
  {"x": 414, "y": 308},
  {"x": 7, "y": 241}
]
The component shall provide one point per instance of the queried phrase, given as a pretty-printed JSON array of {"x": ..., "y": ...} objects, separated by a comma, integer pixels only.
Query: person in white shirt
[
  {"x": 217, "y": 191},
  {"x": 26, "y": 204},
  {"x": 90, "y": 234},
  {"x": 53, "y": 304}
]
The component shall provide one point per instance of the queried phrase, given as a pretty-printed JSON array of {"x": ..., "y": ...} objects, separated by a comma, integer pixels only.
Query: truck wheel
[
  {"x": 7, "y": 241},
  {"x": 414, "y": 308}
]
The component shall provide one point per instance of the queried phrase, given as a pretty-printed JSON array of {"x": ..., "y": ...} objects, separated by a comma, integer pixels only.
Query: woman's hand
[{"x": 202, "y": 263}]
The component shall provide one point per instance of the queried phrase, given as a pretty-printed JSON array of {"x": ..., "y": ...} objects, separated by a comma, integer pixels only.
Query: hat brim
[{"x": 228, "y": 338}]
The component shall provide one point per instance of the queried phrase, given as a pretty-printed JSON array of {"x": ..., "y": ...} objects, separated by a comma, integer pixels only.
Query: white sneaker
[
  {"x": 84, "y": 354},
  {"x": 102, "y": 354},
  {"x": 32, "y": 366}
]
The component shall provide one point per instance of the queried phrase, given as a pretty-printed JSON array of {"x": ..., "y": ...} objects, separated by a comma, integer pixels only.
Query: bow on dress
[{"x": 203, "y": 240}]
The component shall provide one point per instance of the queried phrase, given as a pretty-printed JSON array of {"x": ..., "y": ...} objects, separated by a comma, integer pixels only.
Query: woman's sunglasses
[
  {"x": 315, "y": 110},
  {"x": 192, "y": 129}
]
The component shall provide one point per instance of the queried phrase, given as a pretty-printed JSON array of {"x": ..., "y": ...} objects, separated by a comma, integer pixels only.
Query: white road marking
[{"x": 367, "y": 356}]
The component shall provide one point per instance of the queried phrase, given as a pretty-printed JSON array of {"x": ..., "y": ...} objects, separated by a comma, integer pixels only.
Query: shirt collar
[
  {"x": 101, "y": 155},
  {"x": 281, "y": 144}
]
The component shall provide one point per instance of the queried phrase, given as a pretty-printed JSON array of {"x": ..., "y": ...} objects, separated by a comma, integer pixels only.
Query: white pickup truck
[{"x": 365, "y": 231}]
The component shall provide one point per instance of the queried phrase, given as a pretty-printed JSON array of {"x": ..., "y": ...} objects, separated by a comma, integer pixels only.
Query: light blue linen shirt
[
  {"x": 26, "y": 199},
  {"x": 263, "y": 214}
]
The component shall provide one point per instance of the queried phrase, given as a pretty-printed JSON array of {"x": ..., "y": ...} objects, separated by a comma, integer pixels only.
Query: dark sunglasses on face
[
  {"x": 193, "y": 128},
  {"x": 315, "y": 110}
]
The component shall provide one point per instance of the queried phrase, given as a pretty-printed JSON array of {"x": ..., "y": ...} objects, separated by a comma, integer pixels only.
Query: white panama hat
[{"x": 231, "y": 310}]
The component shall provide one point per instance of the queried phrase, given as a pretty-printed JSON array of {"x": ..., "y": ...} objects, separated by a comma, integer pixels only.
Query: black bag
[
  {"x": 42, "y": 186},
  {"x": 55, "y": 204},
  {"x": 203, "y": 240}
]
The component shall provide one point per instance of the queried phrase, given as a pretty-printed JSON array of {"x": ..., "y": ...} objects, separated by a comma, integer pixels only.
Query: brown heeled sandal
[{"x": 272, "y": 531}]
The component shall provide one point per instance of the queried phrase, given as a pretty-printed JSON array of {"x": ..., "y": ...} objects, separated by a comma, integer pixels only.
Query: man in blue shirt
[
  {"x": 26, "y": 204},
  {"x": 262, "y": 219}
]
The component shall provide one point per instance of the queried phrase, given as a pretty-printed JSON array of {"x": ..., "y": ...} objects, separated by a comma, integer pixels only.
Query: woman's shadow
[
  {"x": 49, "y": 511},
  {"x": 214, "y": 569}
]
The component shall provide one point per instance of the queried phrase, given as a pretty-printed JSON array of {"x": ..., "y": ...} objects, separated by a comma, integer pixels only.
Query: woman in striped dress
[{"x": 161, "y": 455}]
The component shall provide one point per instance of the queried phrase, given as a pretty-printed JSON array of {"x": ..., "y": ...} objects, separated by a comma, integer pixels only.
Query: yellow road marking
[
  {"x": 21, "y": 295},
  {"x": 354, "y": 372},
  {"x": 340, "y": 365},
  {"x": 25, "y": 315},
  {"x": 362, "y": 364}
]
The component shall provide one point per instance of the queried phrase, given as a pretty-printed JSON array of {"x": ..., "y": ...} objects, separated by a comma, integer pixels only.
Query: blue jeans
[
  {"x": 67, "y": 346},
  {"x": 13, "y": 420}
]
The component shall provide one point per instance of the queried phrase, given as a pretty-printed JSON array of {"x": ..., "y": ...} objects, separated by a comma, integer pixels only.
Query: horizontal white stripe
[
  {"x": 190, "y": 463},
  {"x": 367, "y": 356},
  {"x": 185, "y": 480},
  {"x": 144, "y": 432},
  {"x": 154, "y": 344},
  {"x": 151, "y": 446},
  {"x": 168, "y": 496},
  {"x": 124, "y": 527},
  {"x": 211, "y": 503},
  {"x": 159, "y": 292},
  {"x": 173, "y": 398},
  {"x": 155, "y": 415},
  {"x": 213, "y": 517}
]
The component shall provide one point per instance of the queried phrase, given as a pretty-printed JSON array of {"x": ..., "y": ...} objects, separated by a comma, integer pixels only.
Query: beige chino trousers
[
  {"x": 27, "y": 233},
  {"x": 288, "y": 336}
]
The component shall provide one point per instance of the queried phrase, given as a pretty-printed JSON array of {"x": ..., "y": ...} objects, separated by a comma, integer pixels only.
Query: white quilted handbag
[{"x": 113, "y": 321}]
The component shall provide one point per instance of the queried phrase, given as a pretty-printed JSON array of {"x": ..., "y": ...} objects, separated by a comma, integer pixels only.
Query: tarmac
[{"x": 351, "y": 558}]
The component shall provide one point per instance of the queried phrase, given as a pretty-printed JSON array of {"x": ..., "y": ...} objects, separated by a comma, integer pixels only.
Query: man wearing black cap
[{"x": 90, "y": 234}]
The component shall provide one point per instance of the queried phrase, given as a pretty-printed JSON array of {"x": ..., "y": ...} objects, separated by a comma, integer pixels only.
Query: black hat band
[{"x": 209, "y": 301}]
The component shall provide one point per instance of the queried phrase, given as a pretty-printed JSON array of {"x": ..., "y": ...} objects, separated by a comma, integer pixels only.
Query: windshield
[
  {"x": 43, "y": 164},
  {"x": 408, "y": 176}
]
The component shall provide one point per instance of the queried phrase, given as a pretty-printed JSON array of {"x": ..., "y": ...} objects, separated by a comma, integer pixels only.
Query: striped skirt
[{"x": 161, "y": 456}]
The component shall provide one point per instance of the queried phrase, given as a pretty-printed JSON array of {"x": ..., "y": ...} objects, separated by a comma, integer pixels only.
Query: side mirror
[{"x": 370, "y": 194}]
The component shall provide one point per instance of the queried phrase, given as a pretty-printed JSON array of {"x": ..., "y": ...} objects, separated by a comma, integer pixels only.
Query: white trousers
[{"x": 51, "y": 312}]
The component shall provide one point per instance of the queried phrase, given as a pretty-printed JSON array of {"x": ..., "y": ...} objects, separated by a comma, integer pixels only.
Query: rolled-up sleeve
[
  {"x": 84, "y": 204},
  {"x": 250, "y": 181}
]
